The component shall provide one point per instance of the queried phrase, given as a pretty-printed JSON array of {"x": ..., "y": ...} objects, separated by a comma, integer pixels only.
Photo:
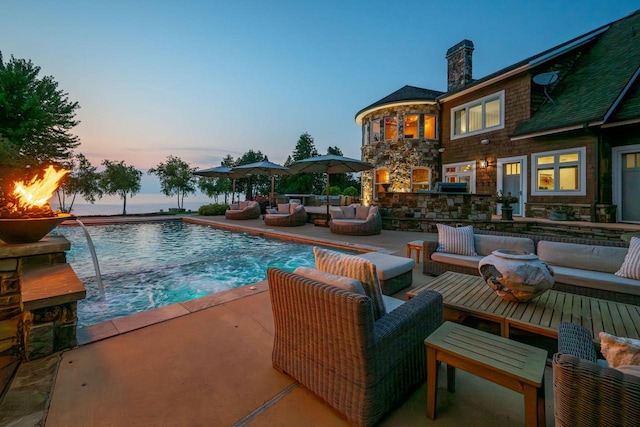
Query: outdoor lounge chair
[
  {"x": 356, "y": 220},
  {"x": 288, "y": 215},
  {"x": 243, "y": 210},
  {"x": 326, "y": 338},
  {"x": 586, "y": 393}
]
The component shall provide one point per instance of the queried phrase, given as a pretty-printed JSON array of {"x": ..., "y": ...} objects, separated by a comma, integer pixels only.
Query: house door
[
  {"x": 511, "y": 179},
  {"x": 629, "y": 181}
]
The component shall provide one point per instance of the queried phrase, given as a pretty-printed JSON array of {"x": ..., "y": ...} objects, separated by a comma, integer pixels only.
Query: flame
[{"x": 39, "y": 191}]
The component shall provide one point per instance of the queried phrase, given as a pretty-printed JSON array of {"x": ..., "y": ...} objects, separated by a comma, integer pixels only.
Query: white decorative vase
[{"x": 516, "y": 275}]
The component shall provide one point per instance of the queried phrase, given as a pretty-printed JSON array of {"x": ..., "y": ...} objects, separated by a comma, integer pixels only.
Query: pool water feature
[{"x": 150, "y": 265}]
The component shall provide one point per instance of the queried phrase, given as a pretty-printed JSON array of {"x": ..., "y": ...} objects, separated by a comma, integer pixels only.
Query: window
[
  {"x": 461, "y": 172},
  {"x": 559, "y": 172},
  {"x": 411, "y": 126},
  {"x": 365, "y": 133},
  {"x": 420, "y": 179},
  {"x": 390, "y": 128},
  {"x": 430, "y": 127},
  {"x": 381, "y": 182},
  {"x": 376, "y": 135},
  {"x": 478, "y": 116}
]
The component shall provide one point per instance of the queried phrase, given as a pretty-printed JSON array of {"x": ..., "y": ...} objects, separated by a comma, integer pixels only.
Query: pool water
[{"x": 150, "y": 265}]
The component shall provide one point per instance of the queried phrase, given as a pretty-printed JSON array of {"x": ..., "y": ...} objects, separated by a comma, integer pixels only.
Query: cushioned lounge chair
[
  {"x": 326, "y": 338},
  {"x": 356, "y": 220},
  {"x": 287, "y": 215},
  {"x": 586, "y": 393},
  {"x": 243, "y": 210}
]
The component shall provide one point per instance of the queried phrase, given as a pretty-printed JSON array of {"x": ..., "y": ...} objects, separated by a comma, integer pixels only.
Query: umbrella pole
[
  {"x": 233, "y": 190},
  {"x": 328, "y": 217},
  {"x": 272, "y": 192}
]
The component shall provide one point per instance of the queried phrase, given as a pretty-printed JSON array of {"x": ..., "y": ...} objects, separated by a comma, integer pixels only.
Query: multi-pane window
[
  {"x": 411, "y": 126},
  {"x": 512, "y": 168},
  {"x": 430, "y": 127},
  {"x": 478, "y": 116},
  {"x": 390, "y": 128},
  {"x": 460, "y": 172},
  {"x": 559, "y": 172},
  {"x": 420, "y": 179},
  {"x": 381, "y": 182}
]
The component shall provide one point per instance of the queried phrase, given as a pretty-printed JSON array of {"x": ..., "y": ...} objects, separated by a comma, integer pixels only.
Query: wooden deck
[{"x": 470, "y": 295}]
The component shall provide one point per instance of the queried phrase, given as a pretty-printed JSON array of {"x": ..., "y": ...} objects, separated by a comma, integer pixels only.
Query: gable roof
[
  {"x": 601, "y": 86},
  {"x": 404, "y": 95}
]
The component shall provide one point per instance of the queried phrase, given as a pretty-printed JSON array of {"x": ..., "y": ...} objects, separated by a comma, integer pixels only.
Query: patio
[{"x": 208, "y": 362}]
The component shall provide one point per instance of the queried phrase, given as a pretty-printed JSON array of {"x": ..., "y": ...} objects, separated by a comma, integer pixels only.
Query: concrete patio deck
[{"x": 207, "y": 362}]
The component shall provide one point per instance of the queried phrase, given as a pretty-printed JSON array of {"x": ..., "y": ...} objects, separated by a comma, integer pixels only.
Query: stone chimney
[{"x": 459, "y": 65}]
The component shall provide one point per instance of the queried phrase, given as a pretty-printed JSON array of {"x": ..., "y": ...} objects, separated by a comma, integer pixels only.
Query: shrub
[
  {"x": 212, "y": 209},
  {"x": 334, "y": 190},
  {"x": 351, "y": 191}
]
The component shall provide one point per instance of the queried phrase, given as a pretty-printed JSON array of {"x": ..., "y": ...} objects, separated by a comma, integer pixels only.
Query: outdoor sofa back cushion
[
  {"x": 631, "y": 266},
  {"x": 336, "y": 214},
  {"x": 606, "y": 259},
  {"x": 349, "y": 212},
  {"x": 283, "y": 208},
  {"x": 243, "y": 204},
  {"x": 292, "y": 207},
  {"x": 362, "y": 212},
  {"x": 456, "y": 240},
  {"x": 342, "y": 282},
  {"x": 357, "y": 268},
  {"x": 485, "y": 244}
]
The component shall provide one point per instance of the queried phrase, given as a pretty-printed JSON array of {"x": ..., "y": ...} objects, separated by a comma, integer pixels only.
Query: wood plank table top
[
  {"x": 541, "y": 315},
  {"x": 517, "y": 366}
]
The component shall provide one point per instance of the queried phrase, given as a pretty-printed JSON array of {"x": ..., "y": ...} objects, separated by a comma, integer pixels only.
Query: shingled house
[{"x": 561, "y": 130}]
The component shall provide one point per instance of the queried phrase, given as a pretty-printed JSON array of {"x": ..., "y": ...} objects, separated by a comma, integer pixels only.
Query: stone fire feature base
[{"x": 38, "y": 298}]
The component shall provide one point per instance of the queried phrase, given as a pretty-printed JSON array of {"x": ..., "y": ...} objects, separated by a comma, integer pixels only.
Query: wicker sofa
[
  {"x": 287, "y": 215},
  {"x": 586, "y": 393},
  {"x": 361, "y": 367},
  {"x": 356, "y": 220},
  {"x": 581, "y": 266},
  {"x": 243, "y": 210}
]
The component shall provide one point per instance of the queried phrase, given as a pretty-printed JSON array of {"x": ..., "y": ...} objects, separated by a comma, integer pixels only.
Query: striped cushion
[
  {"x": 456, "y": 240},
  {"x": 630, "y": 268},
  {"x": 357, "y": 268}
]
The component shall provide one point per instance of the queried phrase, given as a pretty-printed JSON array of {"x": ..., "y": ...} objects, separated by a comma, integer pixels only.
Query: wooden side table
[
  {"x": 517, "y": 366},
  {"x": 416, "y": 245}
]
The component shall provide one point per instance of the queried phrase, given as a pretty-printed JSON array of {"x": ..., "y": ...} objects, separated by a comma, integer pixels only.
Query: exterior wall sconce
[
  {"x": 483, "y": 163},
  {"x": 441, "y": 150},
  {"x": 485, "y": 141}
]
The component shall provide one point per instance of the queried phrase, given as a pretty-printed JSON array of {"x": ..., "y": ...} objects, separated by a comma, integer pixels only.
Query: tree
[
  {"x": 35, "y": 120},
  {"x": 342, "y": 180},
  {"x": 118, "y": 178},
  {"x": 302, "y": 183},
  {"x": 253, "y": 184},
  {"x": 176, "y": 178},
  {"x": 84, "y": 180}
]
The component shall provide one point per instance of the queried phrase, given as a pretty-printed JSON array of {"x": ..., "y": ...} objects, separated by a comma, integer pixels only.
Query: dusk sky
[{"x": 202, "y": 79}]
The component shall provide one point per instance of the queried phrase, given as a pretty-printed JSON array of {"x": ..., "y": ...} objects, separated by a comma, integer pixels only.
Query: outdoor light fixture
[
  {"x": 483, "y": 163},
  {"x": 441, "y": 150},
  {"x": 485, "y": 141}
]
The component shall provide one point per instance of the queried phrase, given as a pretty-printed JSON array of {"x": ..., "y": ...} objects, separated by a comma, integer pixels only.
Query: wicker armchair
[
  {"x": 326, "y": 338},
  {"x": 297, "y": 216},
  {"x": 243, "y": 210},
  {"x": 585, "y": 393}
]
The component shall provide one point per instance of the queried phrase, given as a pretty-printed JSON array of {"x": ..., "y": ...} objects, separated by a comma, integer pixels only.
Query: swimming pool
[{"x": 150, "y": 265}]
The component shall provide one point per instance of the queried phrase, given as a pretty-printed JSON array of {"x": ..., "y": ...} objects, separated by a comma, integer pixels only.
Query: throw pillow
[
  {"x": 630, "y": 268},
  {"x": 346, "y": 283},
  {"x": 292, "y": 207},
  {"x": 336, "y": 214},
  {"x": 283, "y": 208},
  {"x": 362, "y": 212},
  {"x": 357, "y": 268},
  {"x": 242, "y": 205},
  {"x": 348, "y": 211},
  {"x": 456, "y": 240},
  {"x": 619, "y": 351},
  {"x": 271, "y": 211}
]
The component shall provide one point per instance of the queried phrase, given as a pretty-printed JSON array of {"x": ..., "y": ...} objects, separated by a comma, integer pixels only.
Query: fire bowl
[{"x": 29, "y": 230}]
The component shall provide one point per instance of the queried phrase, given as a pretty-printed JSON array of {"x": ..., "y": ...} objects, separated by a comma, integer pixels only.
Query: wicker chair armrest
[
  {"x": 429, "y": 248},
  {"x": 576, "y": 340},
  {"x": 587, "y": 394}
]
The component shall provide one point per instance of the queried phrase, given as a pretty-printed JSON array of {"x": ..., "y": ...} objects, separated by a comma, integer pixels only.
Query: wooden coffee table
[
  {"x": 517, "y": 366},
  {"x": 466, "y": 295}
]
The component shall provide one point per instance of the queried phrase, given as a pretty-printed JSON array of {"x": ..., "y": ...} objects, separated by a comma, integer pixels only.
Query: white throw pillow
[
  {"x": 362, "y": 212},
  {"x": 630, "y": 268},
  {"x": 343, "y": 282},
  {"x": 348, "y": 211},
  {"x": 619, "y": 351},
  {"x": 456, "y": 240},
  {"x": 242, "y": 205},
  {"x": 283, "y": 208},
  {"x": 336, "y": 214}
]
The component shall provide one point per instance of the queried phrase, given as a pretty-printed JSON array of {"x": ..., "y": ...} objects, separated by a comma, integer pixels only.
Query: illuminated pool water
[{"x": 150, "y": 265}]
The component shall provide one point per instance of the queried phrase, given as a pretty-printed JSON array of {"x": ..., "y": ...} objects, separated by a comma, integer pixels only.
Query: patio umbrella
[
  {"x": 222, "y": 172},
  {"x": 329, "y": 164},
  {"x": 264, "y": 167}
]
